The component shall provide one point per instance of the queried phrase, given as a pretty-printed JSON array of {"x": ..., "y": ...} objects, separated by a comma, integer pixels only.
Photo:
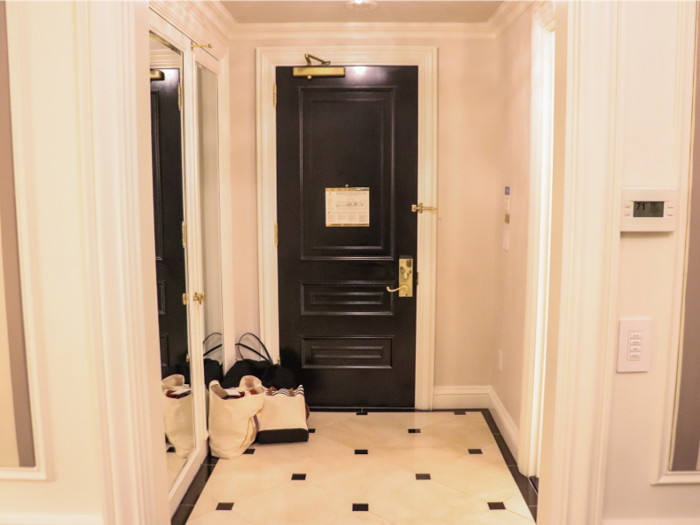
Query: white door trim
[
  {"x": 539, "y": 226},
  {"x": 425, "y": 57}
]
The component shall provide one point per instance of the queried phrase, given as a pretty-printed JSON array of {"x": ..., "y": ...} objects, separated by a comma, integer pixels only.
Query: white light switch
[{"x": 634, "y": 351}]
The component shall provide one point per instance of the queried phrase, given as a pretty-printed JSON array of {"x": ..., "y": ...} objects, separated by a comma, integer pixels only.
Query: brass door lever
[{"x": 420, "y": 208}]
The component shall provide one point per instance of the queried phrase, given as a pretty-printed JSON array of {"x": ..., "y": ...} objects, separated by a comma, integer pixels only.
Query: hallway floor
[{"x": 401, "y": 468}]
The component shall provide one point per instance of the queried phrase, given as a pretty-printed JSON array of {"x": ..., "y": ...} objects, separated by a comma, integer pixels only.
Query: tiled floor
[{"x": 401, "y": 468}]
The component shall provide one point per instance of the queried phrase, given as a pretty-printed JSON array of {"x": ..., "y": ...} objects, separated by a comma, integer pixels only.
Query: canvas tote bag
[
  {"x": 283, "y": 417},
  {"x": 177, "y": 414},
  {"x": 232, "y": 417}
]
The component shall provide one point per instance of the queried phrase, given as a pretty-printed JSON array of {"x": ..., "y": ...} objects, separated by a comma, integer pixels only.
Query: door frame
[
  {"x": 425, "y": 57},
  {"x": 539, "y": 226}
]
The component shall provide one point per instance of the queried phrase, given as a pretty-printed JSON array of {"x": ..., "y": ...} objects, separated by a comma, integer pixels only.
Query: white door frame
[
  {"x": 537, "y": 293},
  {"x": 425, "y": 57}
]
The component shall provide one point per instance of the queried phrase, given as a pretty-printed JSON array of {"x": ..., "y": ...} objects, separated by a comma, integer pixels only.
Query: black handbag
[
  {"x": 213, "y": 370},
  {"x": 266, "y": 370}
]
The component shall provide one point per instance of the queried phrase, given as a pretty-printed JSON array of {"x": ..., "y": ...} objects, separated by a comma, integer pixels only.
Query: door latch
[
  {"x": 405, "y": 287},
  {"x": 419, "y": 208}
]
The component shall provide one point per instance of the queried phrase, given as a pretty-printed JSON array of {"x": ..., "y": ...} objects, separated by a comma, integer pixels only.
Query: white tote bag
[
  {"x": 232, "y": 425},
  {"x": 177, "y": 414},
  {"x": 283, "y": 418}
]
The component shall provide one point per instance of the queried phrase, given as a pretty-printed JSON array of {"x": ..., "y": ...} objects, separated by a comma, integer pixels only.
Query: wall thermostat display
[{"x": 648, "y": 210}]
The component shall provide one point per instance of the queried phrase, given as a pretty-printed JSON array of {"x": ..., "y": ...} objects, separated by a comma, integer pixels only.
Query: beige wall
[
  {"x": 649, "y": 134},
  {"x": 515, "y": 92},
  {"x": 469, "y": 193}
]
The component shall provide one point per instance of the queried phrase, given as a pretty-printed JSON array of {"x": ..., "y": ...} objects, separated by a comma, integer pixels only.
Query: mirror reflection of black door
[
  {"x": 349, "y": 340},
  {"x": 166, "y": 142}
]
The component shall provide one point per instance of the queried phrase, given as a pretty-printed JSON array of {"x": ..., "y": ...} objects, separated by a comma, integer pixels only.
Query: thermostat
[{"x": 649, "y": 209}]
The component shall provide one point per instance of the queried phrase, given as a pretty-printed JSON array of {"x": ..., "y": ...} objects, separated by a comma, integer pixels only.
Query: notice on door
[{"x": 347, "y": 207}]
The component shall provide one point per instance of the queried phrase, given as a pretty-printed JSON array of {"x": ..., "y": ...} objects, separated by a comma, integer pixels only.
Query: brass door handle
[
  {"x": 420, "y": 208},
  {"x": 401, "y": 287}
]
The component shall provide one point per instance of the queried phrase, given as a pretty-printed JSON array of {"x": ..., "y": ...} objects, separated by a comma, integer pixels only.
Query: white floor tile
[
  {"x": 458, "y": 491},
  {"x": 292, "y": 503}
]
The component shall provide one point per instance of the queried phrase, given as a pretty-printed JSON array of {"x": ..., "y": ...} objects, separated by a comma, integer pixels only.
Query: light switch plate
[{"x": 634, "y": 347}]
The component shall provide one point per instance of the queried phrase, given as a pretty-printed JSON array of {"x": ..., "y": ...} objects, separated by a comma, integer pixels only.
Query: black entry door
[
  {"x": 168, "y": 206},
  {"x": 350, "y": 341}
]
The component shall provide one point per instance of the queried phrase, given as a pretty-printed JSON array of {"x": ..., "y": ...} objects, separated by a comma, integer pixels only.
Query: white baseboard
[
  {"x": 658, "y": 521},
  {"x": 509, "y": 430},
  {"x": 49, "y": 519},
  {"x": 479, "y": 397},
  {"x": 461, "y": 397}
]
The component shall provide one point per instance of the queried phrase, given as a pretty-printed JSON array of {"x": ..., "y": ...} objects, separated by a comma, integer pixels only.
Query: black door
[
  {"x": 350, "y": 341},
  {"x": 168, "y": 205}
]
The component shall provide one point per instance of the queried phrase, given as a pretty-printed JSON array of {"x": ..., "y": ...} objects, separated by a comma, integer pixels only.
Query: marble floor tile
[
  {"x": 427, "y": 502},
  {"x": 517, "y": 505},
  {"x": 321, "y": 419},
  {"x": 219, "y": 517},
  {"x": 230, "y": 484},
  {"x": 362, "y": 478},
  {"x": 358, "y": 518},
  {"x": 361, "y": 432},
  {"x": 292, "y": 503},
  {"x": 411, "y": 419},
  {"x": 502, "y": 517},
  {"x": 460, "y": 485},
  {"x": 487, "y": 482}
]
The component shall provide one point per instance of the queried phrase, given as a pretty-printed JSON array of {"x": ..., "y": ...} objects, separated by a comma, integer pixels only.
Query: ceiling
[{"x": 426, "y": 11}]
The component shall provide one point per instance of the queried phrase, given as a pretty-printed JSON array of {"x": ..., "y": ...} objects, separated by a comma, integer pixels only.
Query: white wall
[
  {"x": 650, "y": 133},
  {"x": 468, "y": 186},
  {"x": 515, "y": 91},
  {"x": 57, "y": 246}
]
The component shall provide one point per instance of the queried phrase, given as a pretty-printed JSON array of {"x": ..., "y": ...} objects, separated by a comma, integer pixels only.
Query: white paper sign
[{"x": 347, "y": 207}]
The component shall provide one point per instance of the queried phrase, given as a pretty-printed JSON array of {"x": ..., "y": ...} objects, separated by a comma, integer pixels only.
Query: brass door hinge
[
  {"x": 274, "y": 94},
  {"x": 184, "y": 298},
  {"x": 184, "y": 235},
  {"x": 277, "y": 235},
  {"x": 179, "y": 96}
]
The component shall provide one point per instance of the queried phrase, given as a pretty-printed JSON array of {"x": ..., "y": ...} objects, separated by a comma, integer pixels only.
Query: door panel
[
  {"x": 350, "y": 341},
  {"x": 166, "y": 142}
]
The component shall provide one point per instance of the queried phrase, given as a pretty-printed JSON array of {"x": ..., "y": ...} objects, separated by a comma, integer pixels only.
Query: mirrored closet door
[{"x": 186, "y": 196}]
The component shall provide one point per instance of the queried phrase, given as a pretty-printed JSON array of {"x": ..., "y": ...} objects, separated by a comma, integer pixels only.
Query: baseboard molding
[
  {"x": 49, "y": 519},
  {"x": 509, "y": 430},
  {"x": 461, "y": 397},
  {"x": 479, "y": 397},
  {"x": 658, "y": 521}
]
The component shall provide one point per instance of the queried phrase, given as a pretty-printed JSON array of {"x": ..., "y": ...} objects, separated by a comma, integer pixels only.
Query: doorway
[
  {"x": 425, "y": 58},
  {"x": 347, "y": 233}
]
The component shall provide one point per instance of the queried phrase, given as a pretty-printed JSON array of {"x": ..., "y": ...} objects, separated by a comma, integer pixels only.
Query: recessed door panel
[
  {"x": 358, "y": 153},
  {"x": 354, "y": 298}
]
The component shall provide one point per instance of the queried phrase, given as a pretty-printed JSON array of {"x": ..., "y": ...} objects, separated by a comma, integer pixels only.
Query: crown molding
[
  {"x": 201, "y": 22},
  {"x": 360, "y": 30},
  {"x": 504, "y": 16}
]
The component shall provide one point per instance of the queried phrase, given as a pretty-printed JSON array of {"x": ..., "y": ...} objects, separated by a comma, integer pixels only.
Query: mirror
[
  {"x": 171, "y": 255},
  {"x": 208, "y": 140},
  {"x": 685, "y": 451},
  {"x": 16, "y": 435}
]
